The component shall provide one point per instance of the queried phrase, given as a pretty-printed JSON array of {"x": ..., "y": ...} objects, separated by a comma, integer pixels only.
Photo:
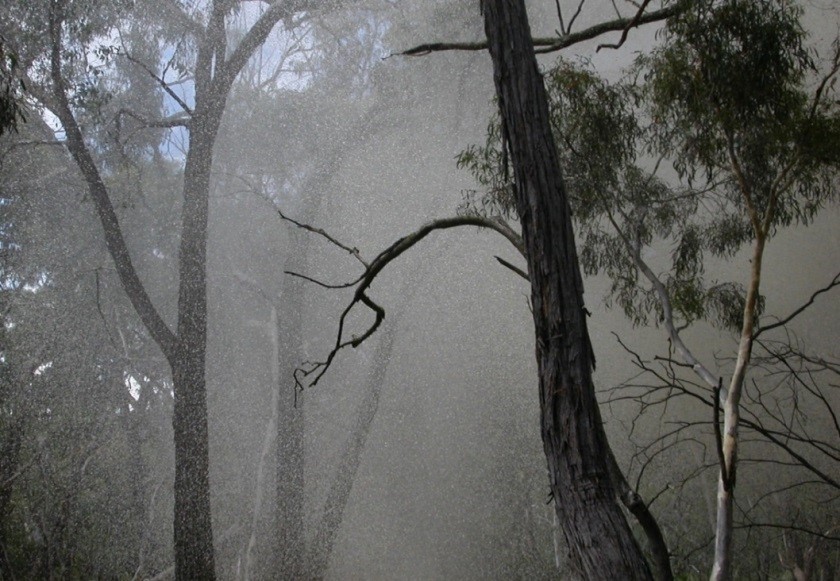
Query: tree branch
[
  {"x": 316, "y": 370},
  {"x": 667, "y": 311},
  {"x": 161, "y": 82},
  {"x": 782, "y": 322},
  {"x": 634, "y": 22},
  {"x": 114, "y": 240},
  {"x": 166, "y": 123},
  {"x": 320, "y": 232},
  {"x": 258, "y": 33},
  {"x": 553, "y": 44}
]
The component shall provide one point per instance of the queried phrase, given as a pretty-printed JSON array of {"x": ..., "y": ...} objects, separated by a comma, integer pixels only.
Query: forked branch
[{"x": 310, "y": 373}]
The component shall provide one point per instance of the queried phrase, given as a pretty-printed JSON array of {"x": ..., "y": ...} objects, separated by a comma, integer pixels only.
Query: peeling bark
[{"x": 601, "y": 543}]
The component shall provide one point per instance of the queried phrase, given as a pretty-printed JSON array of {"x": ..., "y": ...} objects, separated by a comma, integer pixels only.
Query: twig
[
  {"x": 782, "y": 322},
  {"x": 634, "y": 22}
]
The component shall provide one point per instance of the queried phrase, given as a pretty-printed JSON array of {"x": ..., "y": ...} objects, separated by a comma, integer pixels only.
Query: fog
[{"x": 418, "y": 453}]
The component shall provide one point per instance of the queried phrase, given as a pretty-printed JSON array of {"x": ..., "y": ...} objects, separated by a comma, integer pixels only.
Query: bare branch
[
  {"x": 320, "y": 232},
  {"x": 782, "y": 322},
  {"x": 633, "y": 23},
  {"x": 166, "y": 123},
  {"x": 790, "y": 527},
  {"x": 553, "y": 44},
  {"x": 574, "y": 17},
  {"x": 161, "y": 82},
  {"x": 316, "y": 370}
]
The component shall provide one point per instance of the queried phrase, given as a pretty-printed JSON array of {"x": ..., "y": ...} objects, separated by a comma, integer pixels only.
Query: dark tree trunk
[
  {"x": 599, "y": 538},
  {"x": 193, "y": 524},
  {"x": 193, "y": 531},
  {"x": 12, "y": 437}
]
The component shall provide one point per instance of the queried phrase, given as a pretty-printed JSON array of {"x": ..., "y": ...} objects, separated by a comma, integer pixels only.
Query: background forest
[{"x": 190, "y": 191}]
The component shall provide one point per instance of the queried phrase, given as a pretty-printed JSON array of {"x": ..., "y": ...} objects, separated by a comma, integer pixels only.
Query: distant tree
[
  {"x": 67, "y": 416},
  {"x": 75, "y": 32}
]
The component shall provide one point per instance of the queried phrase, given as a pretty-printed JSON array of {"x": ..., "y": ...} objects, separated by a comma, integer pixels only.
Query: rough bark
[{"x": 601, "y": 543}]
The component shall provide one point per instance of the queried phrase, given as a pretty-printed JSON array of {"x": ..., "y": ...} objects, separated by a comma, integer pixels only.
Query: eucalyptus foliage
[{"x": 648, "y": 161}]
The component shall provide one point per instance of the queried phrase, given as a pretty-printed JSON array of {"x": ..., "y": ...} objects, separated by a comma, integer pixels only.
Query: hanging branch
[{"x": 311, "y": 372}]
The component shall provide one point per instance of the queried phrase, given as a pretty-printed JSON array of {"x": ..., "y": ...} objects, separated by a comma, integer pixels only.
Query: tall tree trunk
[
  {"x": 601, "y": 543},
  {"x": 193, "y": 525},
  {"x": 291, "y": 543},
  {"x": 728, "y": 446}
]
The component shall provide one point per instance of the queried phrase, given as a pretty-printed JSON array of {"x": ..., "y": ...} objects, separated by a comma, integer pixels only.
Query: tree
[
  {"x": 576, "y": 446},
  {"x": 742, "y": 115},
  {"x": 754, "y": 152},
  {"x": 584, "y": 481},
  {"x": 215, "y": 68}
]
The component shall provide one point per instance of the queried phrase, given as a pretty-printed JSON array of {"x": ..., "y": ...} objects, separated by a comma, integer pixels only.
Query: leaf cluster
[
  {"x": 727, "y": 83},
  {"x": 726, "y": 94}
]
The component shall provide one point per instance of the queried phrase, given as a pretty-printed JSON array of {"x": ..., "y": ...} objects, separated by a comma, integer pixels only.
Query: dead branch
[
  {"x": 554, "y": 44},
  {"x": 515, "y": 269},
  {"x": 316, "y": 370},
  {"x": 165, "y": 123},
  {"x": 633, "y": 23},
  {"x": 320, "y": 232}
]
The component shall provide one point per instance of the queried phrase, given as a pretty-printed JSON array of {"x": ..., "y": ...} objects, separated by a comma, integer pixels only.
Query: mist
[{"x": 418, "y": 453}]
